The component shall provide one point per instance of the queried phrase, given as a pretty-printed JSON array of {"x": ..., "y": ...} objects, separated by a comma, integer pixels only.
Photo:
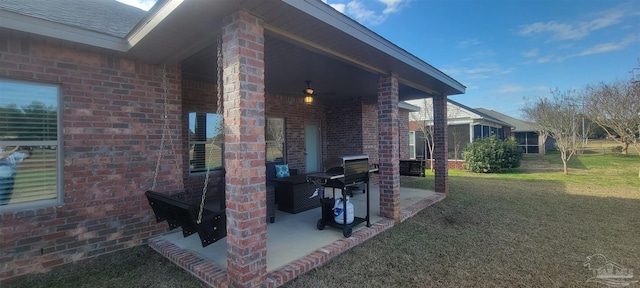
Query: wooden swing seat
[{"x": 181, "y": 210}]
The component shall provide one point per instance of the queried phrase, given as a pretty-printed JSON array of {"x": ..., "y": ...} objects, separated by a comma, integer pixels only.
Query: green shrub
[
  {"x": 491, "y": 155},
  {"x": 616, "y": 149}
]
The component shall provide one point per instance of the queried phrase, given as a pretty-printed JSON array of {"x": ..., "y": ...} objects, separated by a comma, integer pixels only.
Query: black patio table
[{"x": 295, "y": 194}]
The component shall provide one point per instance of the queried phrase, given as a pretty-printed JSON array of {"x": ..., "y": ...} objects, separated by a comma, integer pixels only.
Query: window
[
  {"x": 205, "y": 141},
  {"x": 412, "y": 145},
  {"x": 528, "y": 141},
  {"x": 274, "y": 136},
  {"x": 477, "y": 131},
  {"x": 30, "y": 166}
]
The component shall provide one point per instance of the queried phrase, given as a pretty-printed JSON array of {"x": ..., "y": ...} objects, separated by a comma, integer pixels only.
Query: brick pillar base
[
  {"x": 440, "y": 154},
  {"x": 244, "y": 154},
  {"x": 389, "y": 147}
]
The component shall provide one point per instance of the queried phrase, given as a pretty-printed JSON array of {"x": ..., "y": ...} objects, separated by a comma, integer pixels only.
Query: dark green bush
[
  {"x": 616, "y": 149},
  {"x": 492, "y": 155}
]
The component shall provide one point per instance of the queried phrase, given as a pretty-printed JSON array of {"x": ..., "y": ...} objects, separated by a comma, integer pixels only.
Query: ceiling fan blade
[{"x": 325, "y": 94}]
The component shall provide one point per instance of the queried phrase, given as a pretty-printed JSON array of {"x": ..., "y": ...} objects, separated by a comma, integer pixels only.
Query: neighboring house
[
  {"x": 465, "y": 124},
  {"x": 93, "y": 87},
  {"x": 525, "y": 133}
]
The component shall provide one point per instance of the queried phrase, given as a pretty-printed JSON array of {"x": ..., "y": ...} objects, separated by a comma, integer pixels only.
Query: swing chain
[
  {"x": 164, "y": 125},
  {"x": 219, "y": 112}
]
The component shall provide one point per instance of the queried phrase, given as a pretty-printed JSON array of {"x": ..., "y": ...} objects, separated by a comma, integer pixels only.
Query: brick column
[
  {"x": 244, "y": 149},
  {"x": 389, "y": 147},
  {"x": 440, "y": 148}
]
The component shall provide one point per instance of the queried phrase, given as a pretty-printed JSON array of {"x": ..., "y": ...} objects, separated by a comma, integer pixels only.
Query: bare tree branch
[
  {"x": 559, "y": 118},
  {"x": 425, "y": 119},
  {"x": 616, "y": 108}
]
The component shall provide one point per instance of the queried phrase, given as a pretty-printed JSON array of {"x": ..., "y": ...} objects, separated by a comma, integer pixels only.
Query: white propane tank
[{"x": 338, "y": 211}]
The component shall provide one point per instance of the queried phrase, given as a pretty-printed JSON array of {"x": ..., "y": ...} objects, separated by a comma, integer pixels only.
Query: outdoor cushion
[{"x": 282, "y": 171}]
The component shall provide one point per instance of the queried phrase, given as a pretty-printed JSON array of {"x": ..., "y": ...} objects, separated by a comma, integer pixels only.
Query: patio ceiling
[
  {"x": 304, "y": 40},
  {"x": 287, "y": 67}
]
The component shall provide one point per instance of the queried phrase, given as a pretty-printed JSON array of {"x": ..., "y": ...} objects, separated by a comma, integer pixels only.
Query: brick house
[
  {"x": 90, "y": 88},
  {"x": 464, "y": 125},
  {"x": 526, "y": 134}
]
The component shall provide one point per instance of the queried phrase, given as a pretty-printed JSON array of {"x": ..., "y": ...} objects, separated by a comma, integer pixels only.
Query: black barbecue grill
[{"x": 356, "y": 173}]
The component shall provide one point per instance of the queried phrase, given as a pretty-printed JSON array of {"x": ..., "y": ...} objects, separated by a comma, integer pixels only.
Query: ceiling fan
[{"x": 309, "y": 93}]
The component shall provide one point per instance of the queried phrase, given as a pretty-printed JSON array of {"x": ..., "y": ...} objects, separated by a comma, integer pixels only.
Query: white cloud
[
  {"x": 482, "y": 71},
  {"x": 339, "y": 7},
  {"x": 479, "y": 55},
  {"x": 560, "y": 31},
  {"x": 604, "y": 47},
  {"x": 508, "y": 89},
  {"x": 363, "y": 13},
  {"x": 530, "y": 53},
  {"x": 142, "y": 4},
  {"x": 393, "y": 6},
  {"x": 607, "y": 47},
  {"x": 544, "y": 59},
  {"x": 512, "y": 89},
  {"x": 468, "y": 43},
  {"x": 575, "y": 31}
]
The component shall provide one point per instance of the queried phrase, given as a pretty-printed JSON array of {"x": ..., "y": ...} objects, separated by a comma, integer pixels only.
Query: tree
[
  {"x": 457, "y": 132},
  {"x": 559, "y": 117},
  {"x": 615, "y": 107},
  {"x": 425, "y": 119}
]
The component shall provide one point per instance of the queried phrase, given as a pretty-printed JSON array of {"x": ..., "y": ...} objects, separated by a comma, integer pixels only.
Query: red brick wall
[
  {"x": 389, "y": 176},
  {"x": 370, "y": 140},
  {"x": 296, "y": 114},
  {"x": 112, "y": 125},
  {"x": 440, "y": 140},
  {"x": 506, "y": 132},
  {"x": 244, "y": 149},
  {"x": 403, "y": 126},
  {"x": 370, "y": 131},
  {"x": 344, "y": 128}
]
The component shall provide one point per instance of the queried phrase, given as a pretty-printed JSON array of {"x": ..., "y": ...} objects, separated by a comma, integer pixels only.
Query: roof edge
[
  {"x": 407, "y": 106},
  {"x": 153, "y": 18},
  {"x": 46, "y": 28}
]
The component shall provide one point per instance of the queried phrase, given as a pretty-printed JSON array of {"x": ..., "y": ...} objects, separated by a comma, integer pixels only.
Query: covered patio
[
  {"x": 252, "y": 67},
  {"x": 294, "y": 244}
]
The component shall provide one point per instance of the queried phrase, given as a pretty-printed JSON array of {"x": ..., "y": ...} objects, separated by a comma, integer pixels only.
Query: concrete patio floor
[{"x": 294, "y": 244}]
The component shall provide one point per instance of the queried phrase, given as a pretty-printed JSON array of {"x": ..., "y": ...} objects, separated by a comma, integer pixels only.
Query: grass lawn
[
  {"x": 133, "y": 267},
  {"x": 531, "y": 227}
]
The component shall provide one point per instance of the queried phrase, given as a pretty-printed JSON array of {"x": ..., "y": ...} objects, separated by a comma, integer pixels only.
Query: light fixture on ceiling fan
[{"x": 308, "y": 93}]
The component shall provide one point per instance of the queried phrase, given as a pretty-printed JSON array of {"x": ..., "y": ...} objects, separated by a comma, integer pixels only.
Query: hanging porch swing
[{"x": 193, "y": 212}]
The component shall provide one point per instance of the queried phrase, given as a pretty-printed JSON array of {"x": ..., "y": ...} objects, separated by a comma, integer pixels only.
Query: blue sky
[{"x": 508, "y": 51}]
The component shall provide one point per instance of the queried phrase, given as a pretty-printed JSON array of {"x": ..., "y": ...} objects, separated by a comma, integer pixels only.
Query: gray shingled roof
[
  {"x": 520, "y": 126},
  {"x": 483, "y": 115},
  {"x": 105, "y": 16}
]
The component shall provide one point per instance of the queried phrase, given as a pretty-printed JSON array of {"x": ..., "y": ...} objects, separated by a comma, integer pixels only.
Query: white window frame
[
  {"x": 56, "y": 145},
  {"x": 412, "y": 146},
  {"x": 205, "y": 142},
  {"x": 269, "y": 143}
]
